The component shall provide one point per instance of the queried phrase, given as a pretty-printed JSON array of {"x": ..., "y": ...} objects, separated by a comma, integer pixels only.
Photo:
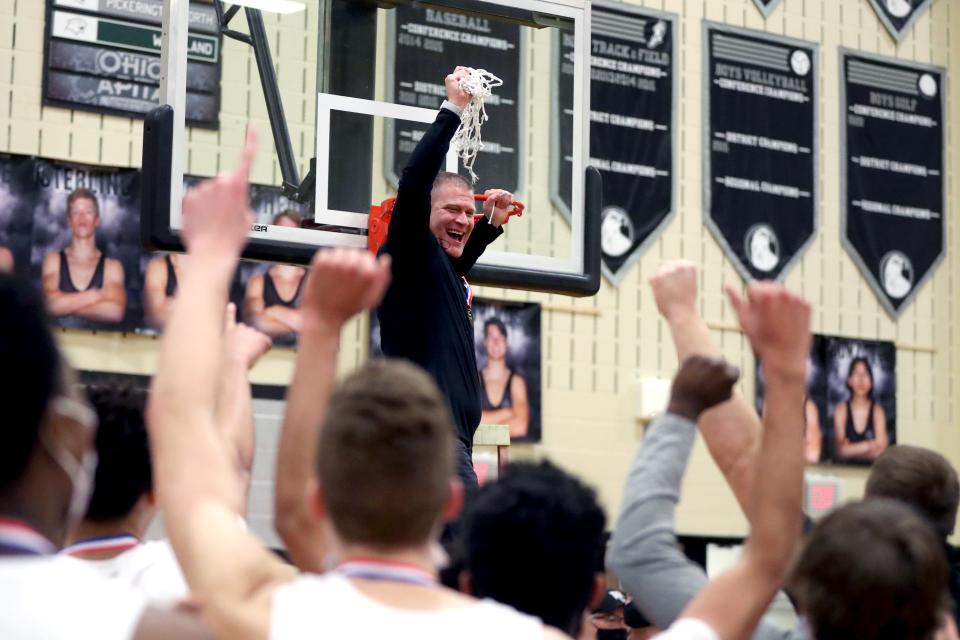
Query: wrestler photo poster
[
  {"x": 507, "y": 337},
  {"x": 74, "y": 230},
  {"x": 851, "y": 406}
]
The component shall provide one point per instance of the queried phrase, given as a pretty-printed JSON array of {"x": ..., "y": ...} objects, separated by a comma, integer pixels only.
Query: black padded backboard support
[{"x": 157, "y": 234}]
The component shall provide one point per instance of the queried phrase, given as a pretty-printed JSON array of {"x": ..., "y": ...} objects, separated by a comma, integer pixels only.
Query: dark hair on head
[
  {"x": 290, "y": 214},
  {"x": 30, "y": 373},
  {"x": 871, "y": 570},
  {"x": 83, "y": 194},
  {"x": 866, "y": 365},
  {"x": 921, "y": 478},
  {"x": 446, "y": 177},
  {"x": 124, "y": 472},
  {"x": 533, "y": 540},
  {"x": 495, "y": 322},
  {"x": 385, "y": 455}
]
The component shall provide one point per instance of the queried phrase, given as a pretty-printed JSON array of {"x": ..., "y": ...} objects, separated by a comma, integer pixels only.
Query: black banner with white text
[
  {"x": 760, "y": 148},
  {"x": 632, "y": 88},
  {"x": 893, "y": 188},
  {"x": 426, "y": 43}
]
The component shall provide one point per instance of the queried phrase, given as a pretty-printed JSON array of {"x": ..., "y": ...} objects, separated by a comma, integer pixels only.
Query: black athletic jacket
[{"x": 424, "y": 316}]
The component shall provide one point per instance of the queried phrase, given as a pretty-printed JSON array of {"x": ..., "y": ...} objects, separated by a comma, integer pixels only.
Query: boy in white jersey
[
  {"x": 385, "y": 462},
  {"x": 110, "y": 537},
  {"x": 46, "y": 466}
]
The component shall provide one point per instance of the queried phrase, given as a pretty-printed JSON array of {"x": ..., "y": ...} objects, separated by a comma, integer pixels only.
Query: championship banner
[
  {"x": 632, "y": 93},
  {"x": 104, "y": 56},
  {"x": 898, "y": 16},
  {"x": 421, "y": 44},
  {"x": 760, "y": 153},
  {"x": 767, "y": 6},
  {"x": 892, "y": 178}
]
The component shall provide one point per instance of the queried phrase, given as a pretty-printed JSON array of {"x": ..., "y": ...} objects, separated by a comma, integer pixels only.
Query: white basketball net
[{"x": 466, "y": 141}]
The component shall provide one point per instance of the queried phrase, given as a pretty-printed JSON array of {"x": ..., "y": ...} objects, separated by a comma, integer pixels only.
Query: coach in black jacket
[{"x": 425, "y": 314}]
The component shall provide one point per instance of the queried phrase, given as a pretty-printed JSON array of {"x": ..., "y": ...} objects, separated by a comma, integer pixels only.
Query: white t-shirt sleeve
[{"x": 688, "y": 629}]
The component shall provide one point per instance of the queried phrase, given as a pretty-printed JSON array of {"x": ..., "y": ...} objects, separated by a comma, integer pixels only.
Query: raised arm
[
  {"x": 195, "y": 474},
  {"x": 731, "y": 429},
  {"x": 341, "y": 284},
  {"x": 243, "y": 347},
  {"x": 778, "y": 326},
  {"x": 411, "y": 214}
]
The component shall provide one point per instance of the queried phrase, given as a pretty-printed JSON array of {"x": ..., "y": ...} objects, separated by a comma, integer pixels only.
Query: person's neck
[
  {"x": 34, "y": 509},
  {"x": 860, "y": 401},
  {"x": 83, "y": 247},
  {"x": 417, "y": 556},
  {"x": 286, "y": 272},
  {"x": 497, "y": 366}
]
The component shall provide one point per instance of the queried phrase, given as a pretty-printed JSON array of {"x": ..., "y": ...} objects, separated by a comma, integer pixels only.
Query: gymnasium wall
[{"x": 593, "y": 349}]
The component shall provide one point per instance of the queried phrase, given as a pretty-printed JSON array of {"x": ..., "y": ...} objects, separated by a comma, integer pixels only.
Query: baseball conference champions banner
[
  {"x": 892, "y": 178},
  {"x": 767, "y": 6},
  {"x": 760, "y": 155},
  {"x": 424, "y": 41},
  {"x": 898, "y": 16},
  {"x": 632, "y": 93},
  {"x": 104, "y": 56}
]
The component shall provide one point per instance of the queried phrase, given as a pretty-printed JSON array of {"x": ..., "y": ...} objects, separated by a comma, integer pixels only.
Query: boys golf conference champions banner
[{"x": 892, "y": 178}]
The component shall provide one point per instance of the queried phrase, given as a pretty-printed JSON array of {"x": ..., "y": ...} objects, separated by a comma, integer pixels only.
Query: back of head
[
  {"x": 871, "y": 570},
  {"x": 29, "y": 374},
  {"x": 923, "y": 479},
  {"x": 533, "y": 540},
  {"x": 385, "y": 456},
  {"x": 124, "y": 472}
]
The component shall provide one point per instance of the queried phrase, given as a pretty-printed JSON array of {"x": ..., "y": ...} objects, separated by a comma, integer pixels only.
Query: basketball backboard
[{"x": 345, "y": 90}]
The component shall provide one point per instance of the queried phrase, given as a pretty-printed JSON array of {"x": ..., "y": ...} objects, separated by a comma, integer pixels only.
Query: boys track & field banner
[{"x": 632, "y": 126}]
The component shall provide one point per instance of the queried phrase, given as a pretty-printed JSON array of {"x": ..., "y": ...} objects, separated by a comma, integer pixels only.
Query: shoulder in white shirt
[{"x": 54, "y": 597}]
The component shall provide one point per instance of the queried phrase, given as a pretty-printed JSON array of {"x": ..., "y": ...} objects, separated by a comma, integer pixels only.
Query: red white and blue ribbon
[
  {"x": 469, "y": 293},
  {"x": 19, "y": 538},
  {"x": 387, "y": 571},
  {"x": 118, "y": 542}
]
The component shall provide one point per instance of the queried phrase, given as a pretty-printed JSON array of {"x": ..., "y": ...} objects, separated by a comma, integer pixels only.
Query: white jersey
[
  {"x": 150, "y": 567},
  {"x": 329, "y": 606},
  {"x": 688, "y": 629},
  {"x": 56, "y": 597}
]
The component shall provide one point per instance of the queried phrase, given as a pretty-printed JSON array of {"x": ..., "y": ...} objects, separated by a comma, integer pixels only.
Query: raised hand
[
  {"x": 497, "y": 205},
  {"x": 341, "y": 284},
  {"x": 455, "y": 94},
  {"x": 675, "y": 290},
  {"x": 243, "y": 343},
  {"x": 777, "y": 323},
  {"x": 701, "y": 383},
  {"x": 216, "y": 213}
]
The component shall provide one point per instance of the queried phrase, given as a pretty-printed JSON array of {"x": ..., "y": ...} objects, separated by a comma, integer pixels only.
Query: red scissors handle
[{"x": 516, "y": 209}]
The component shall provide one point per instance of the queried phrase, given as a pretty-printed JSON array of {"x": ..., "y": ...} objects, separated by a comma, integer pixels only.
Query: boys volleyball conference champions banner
[
  {"x": 760, "y": 147},
  {"x": 632, "y": 93},
  {"x": 892, "y": 177}
]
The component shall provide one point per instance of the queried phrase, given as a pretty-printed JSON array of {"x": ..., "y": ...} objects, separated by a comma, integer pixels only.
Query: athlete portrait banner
[
  {"x": 892, "y": 173},
  {"x": 898, "y": 16},
  {"x": 507, "y": 338},
  {"x": 424, "y": 41},
  {"x": 850, "y": 410},
  {"x": 104, "y": 56},
  {"x": 767, "y": 6},
  {"x": 760, "y": 155},
  {"x": 632, "y": 93}
]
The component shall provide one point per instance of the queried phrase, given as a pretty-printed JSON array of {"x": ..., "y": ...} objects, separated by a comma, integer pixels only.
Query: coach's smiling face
[{"x": 451, "y": 216}]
